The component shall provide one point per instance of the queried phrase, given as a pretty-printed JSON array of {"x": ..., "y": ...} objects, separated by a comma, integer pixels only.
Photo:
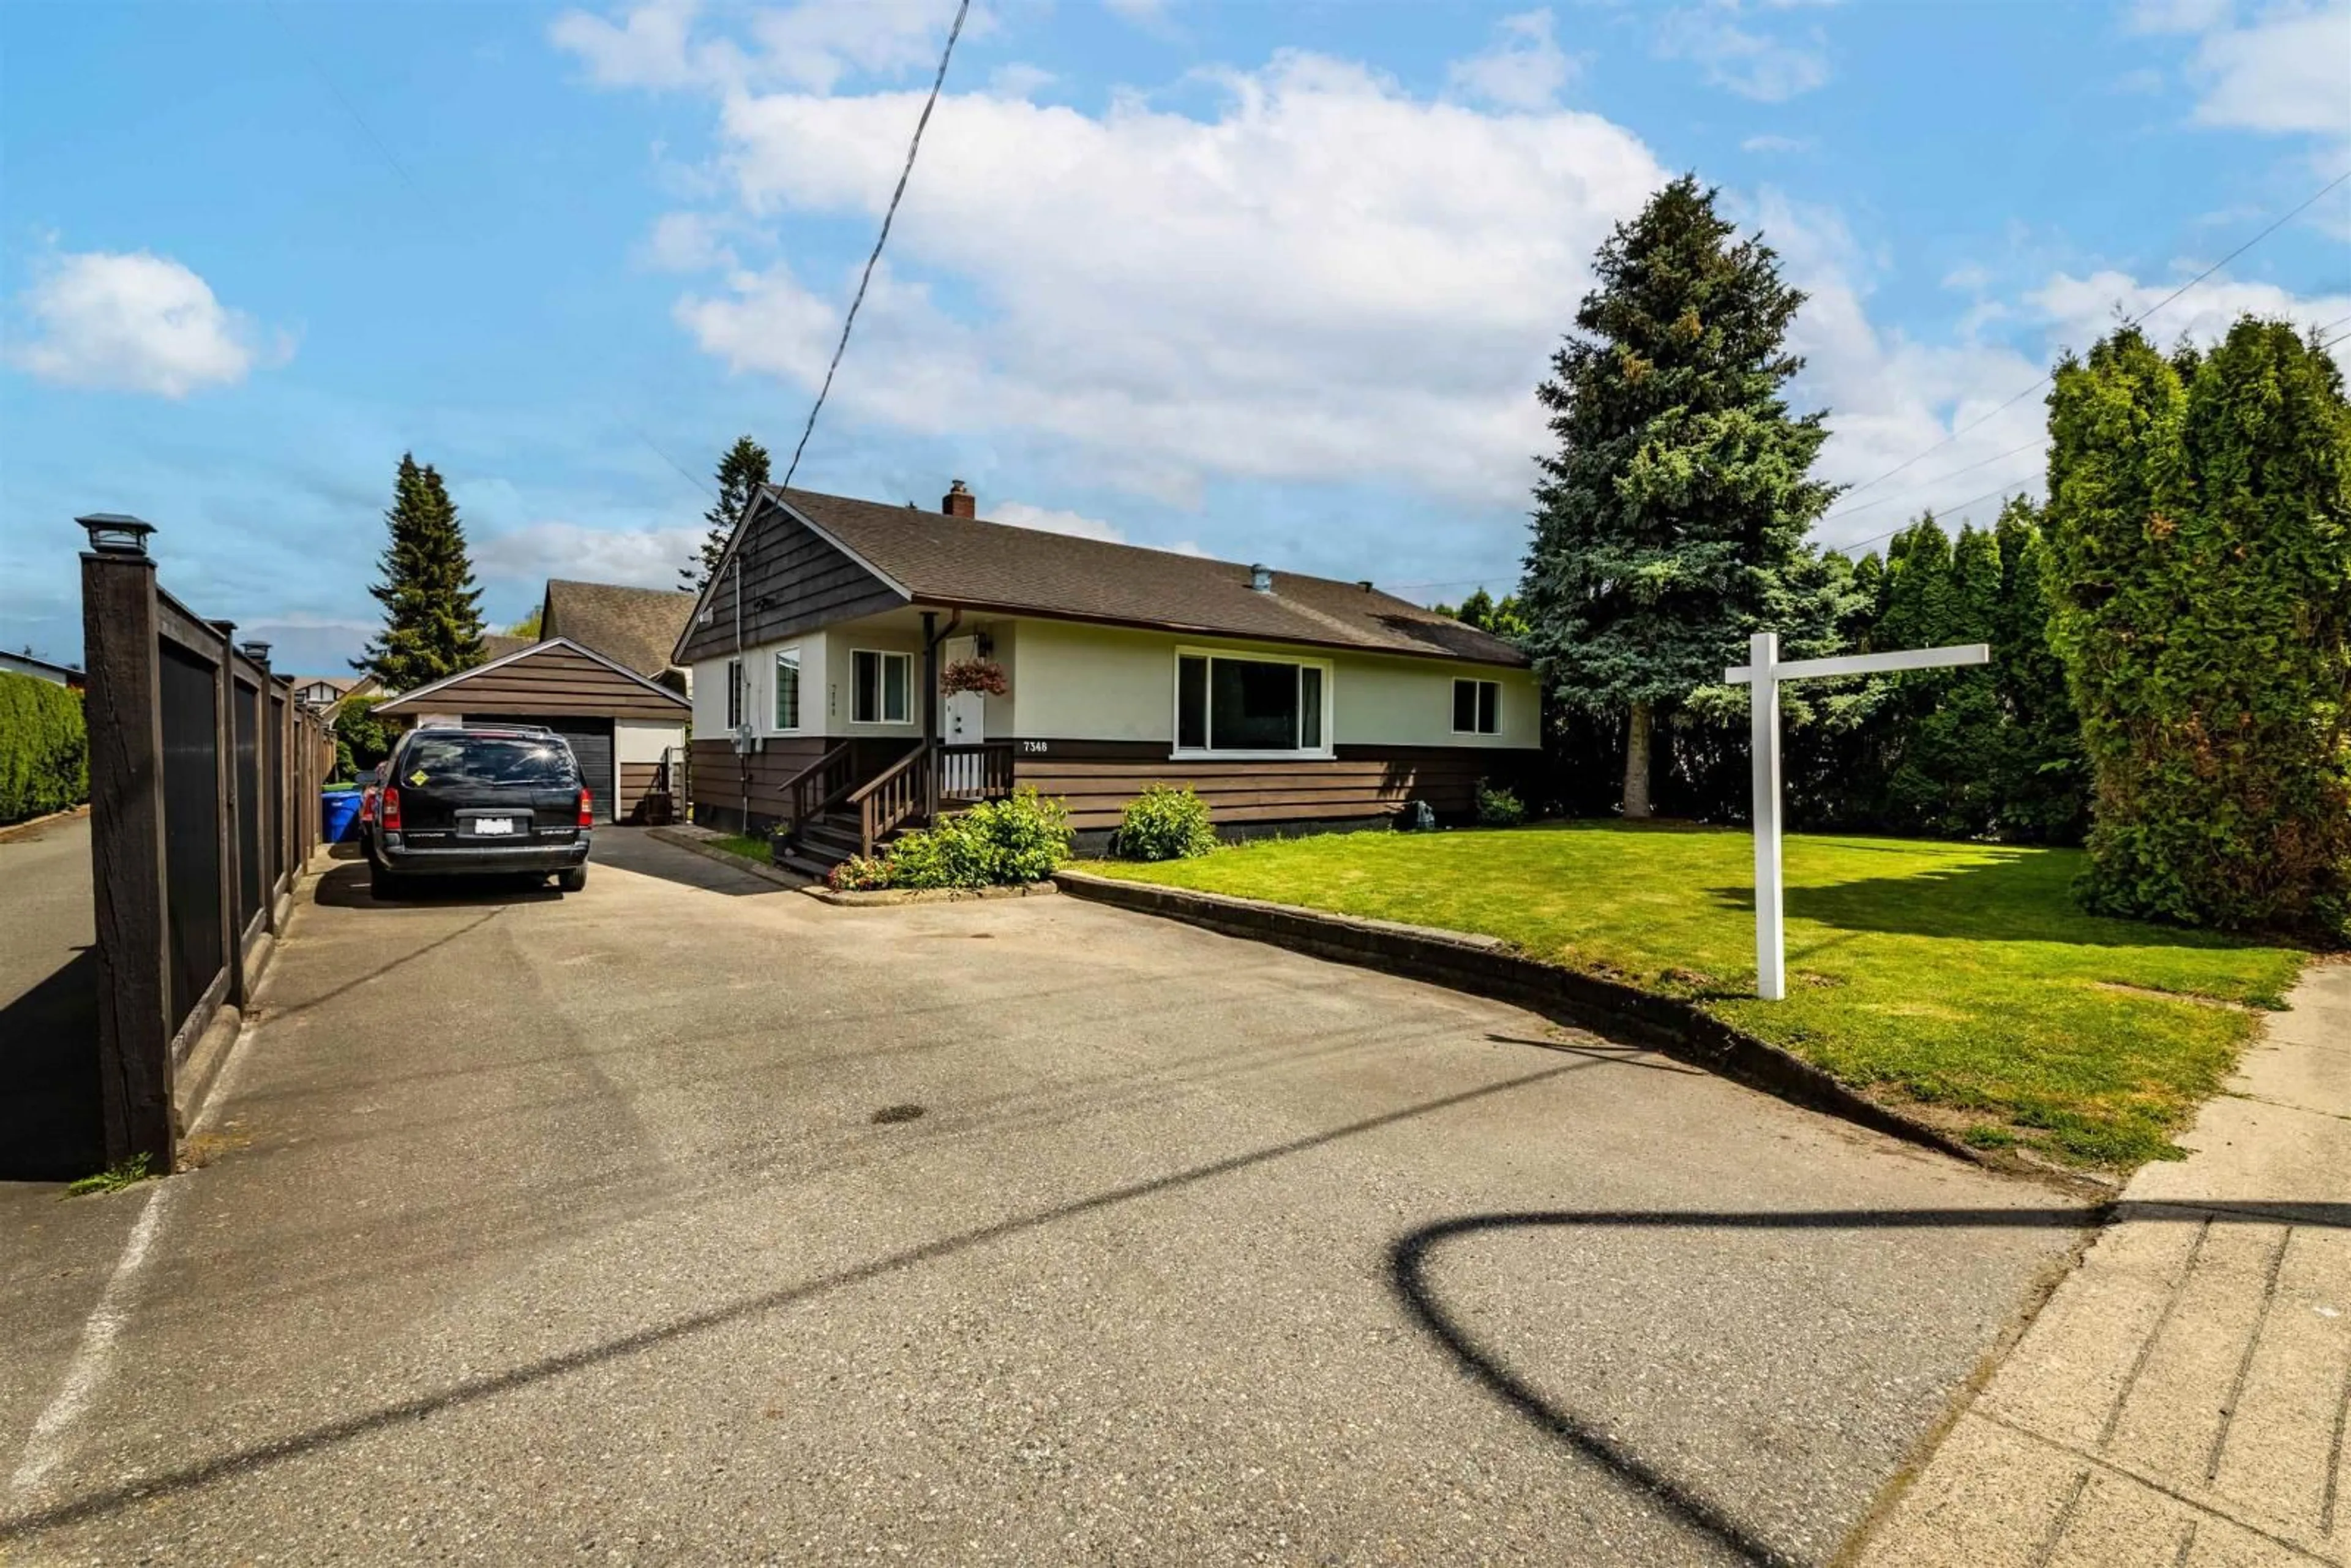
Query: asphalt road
[
  {"x": 542, "y": 1226},
  {"x": 49, "y": 1012}
]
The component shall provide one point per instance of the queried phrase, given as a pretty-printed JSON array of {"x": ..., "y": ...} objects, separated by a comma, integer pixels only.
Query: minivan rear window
[{"x": 484, "y": 760}]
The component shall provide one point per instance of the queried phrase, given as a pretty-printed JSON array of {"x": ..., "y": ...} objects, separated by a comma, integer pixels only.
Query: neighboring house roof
[
  {"x": 498, "y": 644},
  {"x": 636, "y": 626},
  {"x": 339, "y": 685},
  {"x": 42, "y": 669},
  {"x": 931, "y": 557},
  {"x": 562, "y": 692}
]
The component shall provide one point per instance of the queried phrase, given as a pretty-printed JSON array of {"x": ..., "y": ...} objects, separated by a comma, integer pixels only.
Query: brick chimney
[{"x": 960, "y": 502}]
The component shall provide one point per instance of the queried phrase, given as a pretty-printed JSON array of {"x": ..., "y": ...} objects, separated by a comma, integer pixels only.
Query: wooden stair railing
[
  {"x": 981, "y": 771},
  {"x": 821, "y": 783},
  {"x": 893, "y": 797}
]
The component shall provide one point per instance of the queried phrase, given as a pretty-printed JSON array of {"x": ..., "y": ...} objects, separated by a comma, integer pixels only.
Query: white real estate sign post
[{"x": 1762, "y": 673}]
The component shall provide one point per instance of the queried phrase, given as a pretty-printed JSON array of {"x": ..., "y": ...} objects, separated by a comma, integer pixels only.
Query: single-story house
[
  {"x": 42, "y": 669},
  {"x": 1089, "y": 669},
  {"x": 628, "y": 731},
  {"x": 637, "y": 628}
]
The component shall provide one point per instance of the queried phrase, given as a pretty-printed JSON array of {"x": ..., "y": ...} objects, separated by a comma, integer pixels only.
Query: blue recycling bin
[{"x": 339, "y": 814}]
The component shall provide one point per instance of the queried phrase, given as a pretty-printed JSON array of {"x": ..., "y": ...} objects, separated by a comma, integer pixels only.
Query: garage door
[{"x": 591, "y": 742}]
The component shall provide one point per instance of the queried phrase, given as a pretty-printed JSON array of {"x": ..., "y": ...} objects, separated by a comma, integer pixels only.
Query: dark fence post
[
  {"x": 234, "y": 914},
  {"x": 124, "y": 699}
]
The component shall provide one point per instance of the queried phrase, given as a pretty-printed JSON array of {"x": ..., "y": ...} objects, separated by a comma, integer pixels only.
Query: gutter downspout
[{"x": 739, "y": 693}]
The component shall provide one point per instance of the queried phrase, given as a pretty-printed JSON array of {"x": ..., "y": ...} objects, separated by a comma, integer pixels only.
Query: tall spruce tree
[
  {"x": 1670, "y": 522},
  {"x": 2199, "y": 529},
  {"x": 741, "y": 472},
  {"x": 432, "y": 611}
]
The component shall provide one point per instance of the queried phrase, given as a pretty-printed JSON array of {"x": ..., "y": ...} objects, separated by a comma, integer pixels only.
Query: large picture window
[
  {"x": 787, "y": 689},
  {"x": 1477, "y": 707},
  {"x": 881, "y": 687},
  {"x": 1246, "y": 705}
]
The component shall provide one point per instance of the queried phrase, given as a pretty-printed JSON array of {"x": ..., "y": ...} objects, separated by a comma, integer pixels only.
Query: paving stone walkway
[{"x": 2182, "y": 1399}]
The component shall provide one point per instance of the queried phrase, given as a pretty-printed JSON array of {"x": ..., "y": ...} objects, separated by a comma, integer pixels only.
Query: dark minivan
[{"x": 481, "y": 802}]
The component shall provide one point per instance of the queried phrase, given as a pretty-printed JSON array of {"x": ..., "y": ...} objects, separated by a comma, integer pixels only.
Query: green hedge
[{"x": 44, "y": 749}]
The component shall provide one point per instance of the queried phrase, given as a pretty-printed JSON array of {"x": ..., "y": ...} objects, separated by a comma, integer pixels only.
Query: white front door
[
  {"x": 967, "y": 712},
  {"x": 962, "y": 775}
]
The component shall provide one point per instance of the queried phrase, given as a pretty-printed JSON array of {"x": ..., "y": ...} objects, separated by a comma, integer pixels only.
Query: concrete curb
[
  {"x": 685, "y": 839},
  {"x": 881, "y": 897},
  {"x": 34, "y": 824},
  {"x": 1488, "y": 967}
]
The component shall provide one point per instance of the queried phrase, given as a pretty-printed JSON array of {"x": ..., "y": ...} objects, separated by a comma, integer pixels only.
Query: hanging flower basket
[{"x": 983, "y": 676}]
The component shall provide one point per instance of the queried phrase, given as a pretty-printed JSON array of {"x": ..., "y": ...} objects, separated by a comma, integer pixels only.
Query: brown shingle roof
[
  {"x": 498, "y": 644},
  {"x": 632, "y": 626},
  {"x": 941, "y": 560}
]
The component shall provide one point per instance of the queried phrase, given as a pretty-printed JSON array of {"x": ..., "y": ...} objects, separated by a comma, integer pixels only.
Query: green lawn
[
  {"x": 1960, "y": 977},
  {"x": 745, "y": 845}
]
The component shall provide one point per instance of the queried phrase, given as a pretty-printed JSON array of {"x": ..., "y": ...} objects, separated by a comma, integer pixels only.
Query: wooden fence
[{"x": 203, "y": 790}]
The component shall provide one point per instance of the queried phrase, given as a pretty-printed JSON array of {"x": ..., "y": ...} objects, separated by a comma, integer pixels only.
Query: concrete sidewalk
[{"x": 2182, "y": 1398}]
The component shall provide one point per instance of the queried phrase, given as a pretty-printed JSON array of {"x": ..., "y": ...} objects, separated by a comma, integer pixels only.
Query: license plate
[{"x": 493, "y": 827}]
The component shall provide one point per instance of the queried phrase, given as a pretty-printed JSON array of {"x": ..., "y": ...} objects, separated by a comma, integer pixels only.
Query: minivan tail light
[
  {"x": 390, "y": 811},
  {"x": 587, "y": 809}
]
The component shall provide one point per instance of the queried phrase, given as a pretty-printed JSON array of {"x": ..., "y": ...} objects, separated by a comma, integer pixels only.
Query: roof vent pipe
[{"x": 1261, "y": 579}]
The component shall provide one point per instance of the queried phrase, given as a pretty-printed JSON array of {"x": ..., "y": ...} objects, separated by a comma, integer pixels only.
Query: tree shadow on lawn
[{"x": 2014, "y": 897}]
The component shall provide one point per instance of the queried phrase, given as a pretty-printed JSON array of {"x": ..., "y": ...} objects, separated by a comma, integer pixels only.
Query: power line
[
  {"x": 880, "y": 240},
  {"x": 1926, "y": 483},
  {"x": 2138, "y": 319},
  {"x": 2017, "y": 484}
]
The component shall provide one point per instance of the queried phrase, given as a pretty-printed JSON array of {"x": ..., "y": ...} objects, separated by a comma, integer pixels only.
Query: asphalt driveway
[{"x": 539, "y": 1227}]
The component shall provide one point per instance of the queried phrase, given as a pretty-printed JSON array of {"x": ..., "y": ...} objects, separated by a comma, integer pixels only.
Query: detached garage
[{"x": 621, "y": 727}]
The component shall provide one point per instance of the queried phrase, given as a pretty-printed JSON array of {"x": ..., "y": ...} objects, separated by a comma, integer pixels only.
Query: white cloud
[
  {"x": 2289, "y": 72},
  {"x": 812, "y": 45},
  {"x": 1756, "y": 65},
  {"x": 1524, "y": 69},
  {"x": 689, "y": 242},
  {"x": 1894, "y": 399},
  {"x": 132, "y": 322},
  {"x": 643, "y": 557},
  {"x": 1772, "y": 143},
  {"x": 1021, "y": 515},
  {"x": 1330, "y": 276},
  {"x": 1020, "y": 80}
]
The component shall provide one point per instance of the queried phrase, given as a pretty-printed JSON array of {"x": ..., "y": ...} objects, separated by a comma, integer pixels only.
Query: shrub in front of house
[
  {"x": 859, "y": 873},
  {"x": 1164, "y": 824},
  {"x": 1500, "y": 808},
  {"x": 43, "y": 747},
  {"x": 997, "y": 843}
]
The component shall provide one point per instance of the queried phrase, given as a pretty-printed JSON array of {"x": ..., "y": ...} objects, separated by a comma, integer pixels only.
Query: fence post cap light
[
  {"x": 258, "y": 652},
  {"x": 117, "y": 533}
]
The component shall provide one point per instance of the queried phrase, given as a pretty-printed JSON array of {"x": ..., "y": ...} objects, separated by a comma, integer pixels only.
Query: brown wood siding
[
  {"x": 636, "y": 778},
  {"x": 554, "y": 681},
  {"x": 805, "y": 582},
  {"x": 719, "y": 775},
  {"x": 1098, "y": 778}
]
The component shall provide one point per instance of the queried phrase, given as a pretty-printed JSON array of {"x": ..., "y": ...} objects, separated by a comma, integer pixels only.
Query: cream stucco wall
[
  {"x": 840, "y": 642},
  {"x": 1076, "y": 682},
  {"x": 1071, "y": 681},
  {"x": 636, "y": 740}
]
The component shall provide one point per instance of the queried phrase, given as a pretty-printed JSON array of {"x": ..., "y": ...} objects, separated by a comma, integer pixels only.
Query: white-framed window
[
  {"x": 1477, "y": 707},
  {"x": 787, "y": 689},
  {"x": 734, "y": 693},
  {"x": 1251, "y": 704},
  {"x": 881, "y": 687}
]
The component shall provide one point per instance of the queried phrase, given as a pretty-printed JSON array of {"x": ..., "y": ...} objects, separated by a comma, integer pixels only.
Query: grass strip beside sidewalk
[{"x": 1958, "y": 979}]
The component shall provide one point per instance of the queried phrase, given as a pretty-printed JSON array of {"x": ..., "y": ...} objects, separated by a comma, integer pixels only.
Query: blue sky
[{"x": 1273, "y": 281}]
